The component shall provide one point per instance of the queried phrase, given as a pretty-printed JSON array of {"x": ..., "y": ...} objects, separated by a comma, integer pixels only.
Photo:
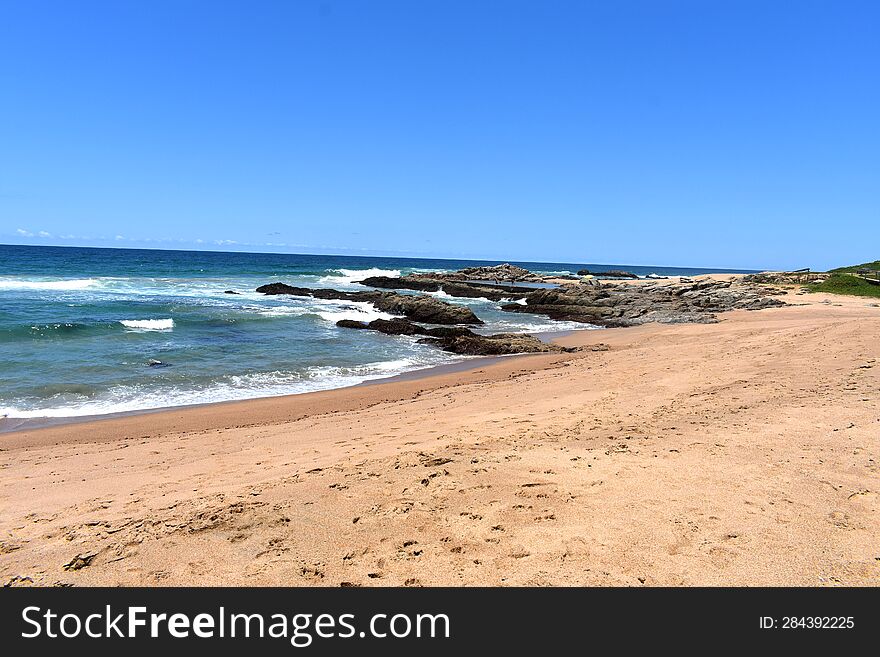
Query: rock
[
  {"x": 80, "y": 561},
  {"x": 494, "y": 345},
  {"x": 396, "y": 327},
  {"x": 454, "y": 288},
  {"x": 786, "y": 278},
  {"x": 611, "y": 273},
  {"x": 404, "y": 327},
  {"x": 351, "y": 323},
  {"x": 620, "y": 304},
  {"x": 458, "y": 339},
  {"x": 505, "y": 272},
  {"x": 419, "y": 283},
  {"x": 419, "y": 308},
  {"x": 231, "y": 292},
  {"x": 157, "y": 363},
  {"x": 284, "y": 288},
  {"x": 423, "y": 309}
]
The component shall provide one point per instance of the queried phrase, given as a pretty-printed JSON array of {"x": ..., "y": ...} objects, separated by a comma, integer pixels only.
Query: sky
[{"x": 676, "y": 132}]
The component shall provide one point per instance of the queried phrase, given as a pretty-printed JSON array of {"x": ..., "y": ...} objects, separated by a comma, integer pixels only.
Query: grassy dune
[{"x": 847, "y": 284}]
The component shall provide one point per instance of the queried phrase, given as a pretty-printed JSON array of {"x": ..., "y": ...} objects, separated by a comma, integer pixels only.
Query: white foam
[
  {"x": 352, "y": 276},
  {"x": 148, "y": 324},
  {"x": 360, "y": 311},
  {"x": 123, "y": 399},
  {"x": 30, "y": 284}
]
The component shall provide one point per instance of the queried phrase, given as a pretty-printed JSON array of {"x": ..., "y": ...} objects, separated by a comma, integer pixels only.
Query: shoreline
[
  {"x": 10, "y": 426},
  {"x": 734, "y": 453}
]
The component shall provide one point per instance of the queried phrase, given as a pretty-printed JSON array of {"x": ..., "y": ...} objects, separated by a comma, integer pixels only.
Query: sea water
[{"x": 93, "y": 331}]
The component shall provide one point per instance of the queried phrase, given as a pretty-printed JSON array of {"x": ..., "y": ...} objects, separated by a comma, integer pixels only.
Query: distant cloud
[
  {"x": 224, "y": 242},
  {"x": 21, "y": 232},
  {"x": 120, "y": 237}
]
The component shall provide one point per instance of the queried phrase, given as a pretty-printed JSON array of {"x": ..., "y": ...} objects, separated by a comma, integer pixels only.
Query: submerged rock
[{"x": 419, "y": 308}]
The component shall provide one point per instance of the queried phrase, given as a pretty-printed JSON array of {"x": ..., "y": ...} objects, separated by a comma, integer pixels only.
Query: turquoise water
[{"x": 79, "y": 327}]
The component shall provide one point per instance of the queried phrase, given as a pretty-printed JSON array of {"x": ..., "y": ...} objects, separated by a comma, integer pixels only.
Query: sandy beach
[{"x": 737, "y": 453}]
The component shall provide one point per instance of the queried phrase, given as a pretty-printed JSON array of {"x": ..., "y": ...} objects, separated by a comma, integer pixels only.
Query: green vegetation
[
  {"x": 847, "y": 284},
  {"x": 871, "y": 266}
]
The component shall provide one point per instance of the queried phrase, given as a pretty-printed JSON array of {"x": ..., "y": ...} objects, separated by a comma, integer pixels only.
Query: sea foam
[
  {"x": 30, "y": 284},
  {"x": 148, "y": 324},
  {"x": 352, "y": 276}
]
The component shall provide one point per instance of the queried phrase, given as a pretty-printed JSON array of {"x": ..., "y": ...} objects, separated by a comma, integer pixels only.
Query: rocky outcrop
[
  {"x": 621, "y": 304},
  {"x": 505, "y": 272},
  {"x": 459, "y": 340},
  {"x": 786, "y": 278},
  {"x": 418, "y": 308},
  {"x": 452, "y": 287},
  {"x": 499, "y": 344},
  {"x": 611, "y": 273}
]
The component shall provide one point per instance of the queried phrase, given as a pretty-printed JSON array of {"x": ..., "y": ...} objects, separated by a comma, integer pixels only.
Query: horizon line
[{"x": 397, "y": 257}]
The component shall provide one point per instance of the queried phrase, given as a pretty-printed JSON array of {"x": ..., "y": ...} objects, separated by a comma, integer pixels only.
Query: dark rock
[
  {"x": 418, "y": 308},
  {"x": 454, "y": 288},
  {"x": 284, "y": 288},
  {"x": 493, "y": 345},
  {"x": 458, "y": 339},
  {"x": 231, "y": 292},
  {"x": 351, "y": 323},
  {"x": 405, "y": 327},
  {"x": 397, "y": 327},
  {"x": 611, "y": 273},
  {"x": 419, "y": 283},
  {"x": 157, "y": 363}
]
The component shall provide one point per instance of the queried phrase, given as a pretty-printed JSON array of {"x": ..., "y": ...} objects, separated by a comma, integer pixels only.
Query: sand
[{"x": 739, "y": 453}]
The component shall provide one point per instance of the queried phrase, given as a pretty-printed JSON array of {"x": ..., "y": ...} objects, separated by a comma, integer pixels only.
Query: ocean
[{"x": 87, "y": 331}]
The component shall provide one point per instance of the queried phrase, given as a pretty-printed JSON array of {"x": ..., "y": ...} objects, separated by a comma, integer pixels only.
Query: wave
[
  {"x": 327, "y": 309},
  {"x": 360, "y": 311},
  {"x": 126, "y": 399},
  {"x": 148, "y": 324},
  {"x": 58, "y": 285},
  {"x": 352, "y": 276},
  {"x": 551, "y": 326}
]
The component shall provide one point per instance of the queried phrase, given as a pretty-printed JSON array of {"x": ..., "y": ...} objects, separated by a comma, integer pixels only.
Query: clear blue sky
[{"x": 702, "y": 132}]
